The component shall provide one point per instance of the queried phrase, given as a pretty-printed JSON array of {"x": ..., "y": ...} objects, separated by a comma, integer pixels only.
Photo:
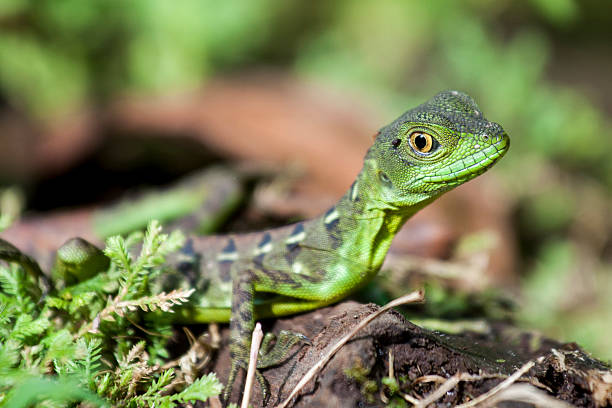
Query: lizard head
[{"x": 433, "y": 148}]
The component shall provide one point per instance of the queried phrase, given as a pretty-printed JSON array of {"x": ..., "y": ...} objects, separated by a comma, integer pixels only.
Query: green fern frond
[
  {"x": 103, "y": 283},
  {"x": 156, "y": 246},
  {"x": 67, "y": 347},
  {"x": 14, "y": 282},
  {"x": 201, "y": 389},
  {"x": 82, "y": 300},
  {"x": 57, "y": 303},
  {"x": 9, "y": 355},
  {"x": 10, "y": 282},
  {"x": 104, "y": 384},
  {"x": 60, "y": 346},
  {"x": 164, "y": 379},
  {"x": 153, "y": 394},
  {"x": 149, "y": 254},
  {"x": 8, "y": 311},
  {"x": 91, "y": 361},
  {"x": 25, "y": 327},
  {"x": 162, "y": 301},
  {"x": 117, "y": 251}
]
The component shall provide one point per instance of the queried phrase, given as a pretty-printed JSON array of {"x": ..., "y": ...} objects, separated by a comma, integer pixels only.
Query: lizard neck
[{"x": 366, "y": 225}]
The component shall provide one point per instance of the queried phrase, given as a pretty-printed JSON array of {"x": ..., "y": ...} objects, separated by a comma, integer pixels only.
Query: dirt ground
[{"x": 421, "y": 360}]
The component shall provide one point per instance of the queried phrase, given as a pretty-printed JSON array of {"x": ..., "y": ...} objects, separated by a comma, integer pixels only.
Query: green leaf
[
  {"x": 201, "y": 389},
  {"x": 35, "y": 389}
]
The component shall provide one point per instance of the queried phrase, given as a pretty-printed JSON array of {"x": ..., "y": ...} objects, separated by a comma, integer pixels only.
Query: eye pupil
[{"x": 420, "y": 142}]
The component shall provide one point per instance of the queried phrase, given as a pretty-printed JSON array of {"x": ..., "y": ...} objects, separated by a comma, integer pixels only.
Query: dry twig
[
  {"x": 528, "y": 394},
  {"x": 502, "y": 385},
  {"x": 255, "y": 344}
]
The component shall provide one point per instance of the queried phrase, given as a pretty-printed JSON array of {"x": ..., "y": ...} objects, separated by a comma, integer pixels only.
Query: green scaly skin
[{"x": 310, "y": 264}]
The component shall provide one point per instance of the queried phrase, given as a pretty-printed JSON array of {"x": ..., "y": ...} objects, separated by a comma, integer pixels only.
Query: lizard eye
[{"x": 423, "y": 143}]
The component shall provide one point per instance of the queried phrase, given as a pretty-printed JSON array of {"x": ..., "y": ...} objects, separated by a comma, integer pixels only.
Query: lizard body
[{"x": 422, "y": 154}]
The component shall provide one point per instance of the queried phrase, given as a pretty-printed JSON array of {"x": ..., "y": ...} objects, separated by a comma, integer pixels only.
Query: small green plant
[
  {"x": 99, "y": 341},
  {"x": 360, "y": 374}
]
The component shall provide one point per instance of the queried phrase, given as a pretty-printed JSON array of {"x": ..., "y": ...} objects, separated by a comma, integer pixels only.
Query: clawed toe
[{"x": 271, "y": 355}]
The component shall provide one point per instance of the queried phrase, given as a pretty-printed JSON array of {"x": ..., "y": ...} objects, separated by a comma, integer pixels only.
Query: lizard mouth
[{"x": 474, "y": 165}]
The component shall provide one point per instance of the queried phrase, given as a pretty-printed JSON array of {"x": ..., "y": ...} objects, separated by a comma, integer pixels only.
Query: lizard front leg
[{"x": 242, "y": 323}]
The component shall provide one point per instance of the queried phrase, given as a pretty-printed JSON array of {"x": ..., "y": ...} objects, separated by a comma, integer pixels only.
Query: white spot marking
[
  {"x": 264, "y": 249},
  {"x": 354, "y": 192},
  {"x": 227, "y": 256},
  {"x": 297, "y": 267},
  {"x": 331, "y": 217},
  {"x": 294, "y": 239}
]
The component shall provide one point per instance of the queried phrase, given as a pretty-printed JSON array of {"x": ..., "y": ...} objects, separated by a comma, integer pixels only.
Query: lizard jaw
[{"x": 452, "y": 178}]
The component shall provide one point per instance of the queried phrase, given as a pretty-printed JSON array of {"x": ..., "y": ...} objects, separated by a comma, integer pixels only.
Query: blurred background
[{"x": 100, "y": 97}]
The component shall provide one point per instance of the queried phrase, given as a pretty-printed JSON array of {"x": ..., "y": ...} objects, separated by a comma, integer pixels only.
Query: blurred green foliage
[
  {"x": 567, "y": 300},
  {"x": 56, "y": 55}
]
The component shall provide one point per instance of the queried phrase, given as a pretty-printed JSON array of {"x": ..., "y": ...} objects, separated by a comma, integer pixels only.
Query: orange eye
[{"x": 421, "y": 142}]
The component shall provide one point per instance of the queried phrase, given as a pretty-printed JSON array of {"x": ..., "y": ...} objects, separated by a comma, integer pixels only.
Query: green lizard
[
  {"x": 240, "y": 278},
  {"x": 422, "y": 154}
]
